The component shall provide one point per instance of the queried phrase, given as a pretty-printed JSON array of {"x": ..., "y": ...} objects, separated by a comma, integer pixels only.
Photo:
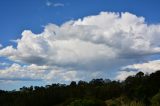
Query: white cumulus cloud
[
  {"x": 147, "y": 68},
  {"x": 102, "y": 42},
  {"x": 16, "y": 72}
]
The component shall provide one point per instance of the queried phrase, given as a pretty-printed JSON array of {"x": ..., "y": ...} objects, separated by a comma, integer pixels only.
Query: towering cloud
[{"x": 102, "y": 42}]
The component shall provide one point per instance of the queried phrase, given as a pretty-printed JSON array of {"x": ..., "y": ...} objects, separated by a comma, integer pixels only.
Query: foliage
[
  {"x": 123, "y": 101},
  {"x": 87, "y": 102},
  {"x": 138, "y": 90},
  {"x": 156, "y": 99}
]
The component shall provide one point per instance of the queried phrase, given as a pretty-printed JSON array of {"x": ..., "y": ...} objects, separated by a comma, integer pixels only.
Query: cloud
[
  {"x": 58, "y": 5},
  {"x": 146, "y": 68},
  {"x": 1, "y": 45},
  {"x": 4, "y": 64},
  {"x": 94, "y": 44},
  {"x": 14, "y": 41},
  {"x": 48, "y": 3},
  {"x": 16, "y": 72}
]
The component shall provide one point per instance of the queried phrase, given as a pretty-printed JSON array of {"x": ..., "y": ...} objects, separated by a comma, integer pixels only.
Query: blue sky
[{"x": 16, "y": 16}]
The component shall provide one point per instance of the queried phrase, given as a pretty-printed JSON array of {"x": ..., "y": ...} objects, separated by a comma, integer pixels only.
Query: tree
[
  {"x": 82, "y": 83},
  {"x": 139, "y": 74},
  {"x": 73, "y": 83},
  {"x": 97, "y": 81}
]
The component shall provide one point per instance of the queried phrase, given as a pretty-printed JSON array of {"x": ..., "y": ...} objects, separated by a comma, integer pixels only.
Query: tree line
[{"x": 137, "y": 90}]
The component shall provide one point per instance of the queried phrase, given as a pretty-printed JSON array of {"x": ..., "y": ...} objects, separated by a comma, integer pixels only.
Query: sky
[{"x": 58, "y": 41}]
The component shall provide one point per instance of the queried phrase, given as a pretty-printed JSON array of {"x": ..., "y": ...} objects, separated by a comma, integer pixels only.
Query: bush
[
  {"x": 123, "y": 101},
  {"x": 156, "y": 99},
  {"x": 87, "y": 102}
]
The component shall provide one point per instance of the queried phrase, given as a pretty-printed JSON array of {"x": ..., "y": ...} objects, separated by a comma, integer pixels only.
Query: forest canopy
[{"x": 137, "y": 90}]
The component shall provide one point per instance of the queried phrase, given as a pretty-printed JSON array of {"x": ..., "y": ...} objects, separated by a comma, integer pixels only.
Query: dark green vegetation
[{"x": 138, "y": 90}]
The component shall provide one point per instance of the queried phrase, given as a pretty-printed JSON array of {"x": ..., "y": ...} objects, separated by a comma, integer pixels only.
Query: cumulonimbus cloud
[{"x": 101, "y": 42}]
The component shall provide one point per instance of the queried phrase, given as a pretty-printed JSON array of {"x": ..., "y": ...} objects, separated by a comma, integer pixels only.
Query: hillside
[{"x": 138, "y": 90}]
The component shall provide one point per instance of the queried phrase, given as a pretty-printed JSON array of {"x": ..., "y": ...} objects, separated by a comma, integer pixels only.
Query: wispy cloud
[
  {"x": 58, "y": 5},
  {"x": 1, "y": 45},
  {"x": 4, "y": 64},
  {"x": 15, "y": 41},
  {"x": 49, "y": 3}
]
